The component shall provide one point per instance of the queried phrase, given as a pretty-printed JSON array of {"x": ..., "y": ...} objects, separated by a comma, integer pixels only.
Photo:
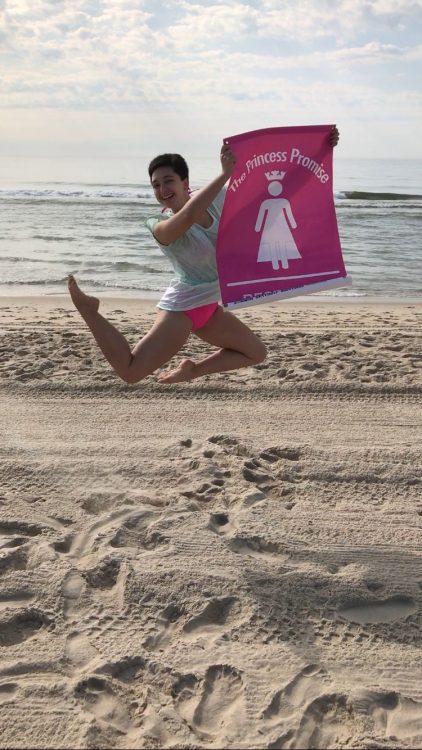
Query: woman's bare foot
[
  {"x": 181, "y": 374},
  {"x": 81, "y": 300}
]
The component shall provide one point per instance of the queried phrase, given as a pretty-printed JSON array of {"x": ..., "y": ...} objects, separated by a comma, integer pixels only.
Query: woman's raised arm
[{"x": 168, "y": 231}]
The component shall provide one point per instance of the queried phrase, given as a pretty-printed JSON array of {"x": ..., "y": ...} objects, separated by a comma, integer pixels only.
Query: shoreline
[
  {"x": 109, "y": 298},
  {"x": 60, "y": 309}
]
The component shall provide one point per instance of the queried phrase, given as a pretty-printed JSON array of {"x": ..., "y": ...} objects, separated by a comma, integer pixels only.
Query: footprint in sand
[
  {"x": 15, "y": 600},
  {"x": 229, "y": 444},
  {"x": 306, "y": 686},
  {"x": 12, "y": 542},
  {"x": 79, "y": 651},
  {"x": 252, "y": 472},
  {"x": 104, "y": 575},
  {"x": 168, "y": 622},
  {"x": 273, "y": 455},
  {"x": 393, "y": 714},
  {"x": 97, "y": 503},
  {"x": 217, "y": 613},
  {"x": 7, "y": 691},
  {"x": 326, "y": 722},
  {"x": 99, "y": 698},
  {"x": 20, "y": 528},
  {"x": 13, "y": 537},
  {"x": 205, "y": 491},
  {"x": 139, "y": 531},
  {"x": 334, "y": 719},
  {"x": 15, "y": 558},
  {"x": 128, "y": 670},
  {"x": 21, "y": 626},
  {"x": 259, "y": 469},
  {"x": 215, "y": 709},
  {"x": 135, "y": 528},
  {"x": 73, "y": 587},
  {"x": 389, "y": 610},
  {"x": 255, "y": 546}
]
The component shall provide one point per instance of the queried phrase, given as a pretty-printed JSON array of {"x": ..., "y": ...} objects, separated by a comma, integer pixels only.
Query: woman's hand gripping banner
[{"x": 278, "y": 234}]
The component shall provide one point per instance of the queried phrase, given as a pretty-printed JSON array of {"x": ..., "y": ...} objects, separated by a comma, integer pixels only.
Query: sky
[{"x": 136, "y": 77}]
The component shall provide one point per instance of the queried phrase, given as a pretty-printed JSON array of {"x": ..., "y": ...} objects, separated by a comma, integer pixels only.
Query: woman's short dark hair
[{"x": 175, "y": 161}]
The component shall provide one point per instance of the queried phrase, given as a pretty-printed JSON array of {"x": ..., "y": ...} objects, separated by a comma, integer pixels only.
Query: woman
[{"x": 187, "y": 234}]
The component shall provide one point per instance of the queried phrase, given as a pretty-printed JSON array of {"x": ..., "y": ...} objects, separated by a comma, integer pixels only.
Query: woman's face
[{"x": 169, "y": 189}]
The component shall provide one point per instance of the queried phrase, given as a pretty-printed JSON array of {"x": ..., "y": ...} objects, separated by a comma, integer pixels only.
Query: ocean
[{"x": 86, "y": 217}]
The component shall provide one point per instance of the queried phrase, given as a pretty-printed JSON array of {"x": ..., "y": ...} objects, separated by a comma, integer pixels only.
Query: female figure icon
[{"x": 275, "y": 218}]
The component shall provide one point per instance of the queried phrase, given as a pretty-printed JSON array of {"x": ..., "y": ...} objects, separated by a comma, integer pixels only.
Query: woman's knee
[
  {"x": 133, "y": 374},
  {"x": 259, "y": 353},
  {"x": 130, "y": 378}
]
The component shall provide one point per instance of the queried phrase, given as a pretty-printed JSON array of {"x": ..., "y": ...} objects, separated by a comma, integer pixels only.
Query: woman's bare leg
[
  {"x": 167, "y": 336},
  {"x": 239, "y": 347}
]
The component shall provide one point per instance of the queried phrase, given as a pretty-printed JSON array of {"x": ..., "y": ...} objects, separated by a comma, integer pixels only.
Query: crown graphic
[{"x": 274, "y": 175}]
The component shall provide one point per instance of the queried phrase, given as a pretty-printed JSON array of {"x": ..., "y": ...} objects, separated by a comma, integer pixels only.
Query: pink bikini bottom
[{"x": 201, "y": 315}]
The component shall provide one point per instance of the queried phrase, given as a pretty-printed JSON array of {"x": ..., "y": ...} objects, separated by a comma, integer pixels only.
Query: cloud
[
  {"x": 309, "y": 19},
  {"x": 201, "y": 24},
  {"x": 212, "y": 62},
  {"x": 397, "y": 8},
  {"x": 371, "y": 53}
]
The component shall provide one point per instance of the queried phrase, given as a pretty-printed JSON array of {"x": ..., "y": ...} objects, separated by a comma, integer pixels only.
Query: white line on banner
[{"x": 282, "y": 278}]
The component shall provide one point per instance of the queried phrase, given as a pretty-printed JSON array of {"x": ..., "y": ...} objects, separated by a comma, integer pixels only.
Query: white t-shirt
[{"x": 193, "y": 258}]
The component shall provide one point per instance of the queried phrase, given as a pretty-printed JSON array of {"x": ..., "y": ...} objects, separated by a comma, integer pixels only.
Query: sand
[{"x": 229, "y": 563}]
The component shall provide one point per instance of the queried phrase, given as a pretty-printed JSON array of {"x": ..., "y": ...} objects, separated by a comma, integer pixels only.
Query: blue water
[{"x": 87, "y": 217}]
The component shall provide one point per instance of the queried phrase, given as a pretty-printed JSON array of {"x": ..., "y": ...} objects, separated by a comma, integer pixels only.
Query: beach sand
[{"x": 229, "y": 563}]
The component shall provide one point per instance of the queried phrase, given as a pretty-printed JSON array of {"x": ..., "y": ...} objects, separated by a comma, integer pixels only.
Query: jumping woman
[{"x": 186, "y": 233}]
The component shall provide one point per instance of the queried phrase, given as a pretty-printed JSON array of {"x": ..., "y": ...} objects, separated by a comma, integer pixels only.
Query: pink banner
[{"x": 278, "y": 233}]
